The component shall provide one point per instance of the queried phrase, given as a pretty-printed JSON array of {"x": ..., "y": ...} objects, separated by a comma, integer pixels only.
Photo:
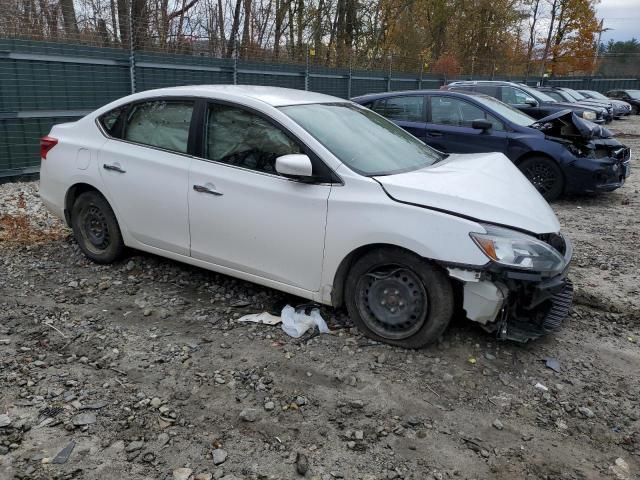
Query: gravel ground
[{"x": 139, "y": 370}]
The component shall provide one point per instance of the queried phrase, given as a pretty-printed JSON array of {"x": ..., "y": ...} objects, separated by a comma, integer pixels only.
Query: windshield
[
  {"x": 366, "y": 142},
  {"x": 507, "y": 111},
  {"x": 594, "y": 94},
  {"x": 634, "y": 93},
  {"x": 574, "y": 93},
  {"x": 538, "y": 95}
]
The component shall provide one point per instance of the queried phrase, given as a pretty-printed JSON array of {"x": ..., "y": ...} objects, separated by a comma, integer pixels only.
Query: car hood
[
  {"x": 485, "y": 187},
  {"x": 577, "y": 106},
  {"x": 566, "y": 124}
]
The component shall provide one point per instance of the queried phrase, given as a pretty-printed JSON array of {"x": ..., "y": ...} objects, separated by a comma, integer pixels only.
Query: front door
[
  {"x": 245, "y": 216},
  {"x": 146, "y": 173},
  {"x": 449, "y": 127}
]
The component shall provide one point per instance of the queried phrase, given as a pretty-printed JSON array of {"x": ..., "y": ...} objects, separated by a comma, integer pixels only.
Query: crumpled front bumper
[
  {"x": 598, "y": 174},
  {"x": 514, "y": 304}
]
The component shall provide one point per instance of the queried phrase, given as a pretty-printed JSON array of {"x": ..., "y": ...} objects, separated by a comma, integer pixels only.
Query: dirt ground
[{"x": 139, "y": 370}]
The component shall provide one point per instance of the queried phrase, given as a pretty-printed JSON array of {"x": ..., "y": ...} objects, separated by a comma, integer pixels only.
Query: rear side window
[
  {"x": 160, "y": 123},
  {"x": 409, "y": 108},
  {"x": 490, "y": 90},
  {"x": 112, "y": 121},
  {"x": 555, "y": 96}
]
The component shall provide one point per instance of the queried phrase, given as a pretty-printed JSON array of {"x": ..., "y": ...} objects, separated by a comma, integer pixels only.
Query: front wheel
[
  {"x": 545, "y": 175},
  {"x": 634, "y": 110},
  {"x": 396, "y": 297},
  {"x": 96, "y": 229}
]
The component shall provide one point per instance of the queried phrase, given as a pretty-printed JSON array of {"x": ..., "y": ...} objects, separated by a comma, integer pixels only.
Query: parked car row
[{"x": 559, "y": 153}]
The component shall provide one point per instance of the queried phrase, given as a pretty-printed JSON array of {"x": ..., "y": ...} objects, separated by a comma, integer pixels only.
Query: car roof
[
  {"x": 400, "y": 93},
  {"x": 274, "y": 96}
]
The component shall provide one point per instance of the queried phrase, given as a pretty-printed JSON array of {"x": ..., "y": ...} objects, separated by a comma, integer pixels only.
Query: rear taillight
[{"x": 46, "y": 144}]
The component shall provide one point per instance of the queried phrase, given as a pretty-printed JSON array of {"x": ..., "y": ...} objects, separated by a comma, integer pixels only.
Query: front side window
[
  {"x": 160, "y": 123},
  {"x": 514, "y": 96},
  {"x": 243, "y": 139},
  {"x": 556, "y": 96},
  {"x": 409, "y": 108},
  {"x": 459, "y": 113},
  {"x": 367, "y": 143}
]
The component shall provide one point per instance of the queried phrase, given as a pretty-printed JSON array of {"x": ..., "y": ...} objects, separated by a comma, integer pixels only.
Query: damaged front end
[
  {"x": 519, "y": 304},
  {"x": 600, "y": 162}
]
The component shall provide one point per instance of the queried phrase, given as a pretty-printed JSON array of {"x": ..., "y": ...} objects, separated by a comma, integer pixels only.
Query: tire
[
  {"x": 96, "y": 229},
  {"x": 635, "y": 110},
  {"x": 391, "y": 278},
  {"x": 545, "y": 175}
]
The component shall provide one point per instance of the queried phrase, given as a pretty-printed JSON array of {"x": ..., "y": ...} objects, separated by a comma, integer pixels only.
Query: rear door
[
  {"x": 146, "y": 172},
  {"x": 244, "y": 215},
  {"x": 406, "y": 111},
  {"x": 449, "y": 126}
]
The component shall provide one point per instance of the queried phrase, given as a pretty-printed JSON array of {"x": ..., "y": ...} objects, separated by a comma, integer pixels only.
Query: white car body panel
[
  {"x": 280, "y": 233},
  {"x": 485, "y": 186}
]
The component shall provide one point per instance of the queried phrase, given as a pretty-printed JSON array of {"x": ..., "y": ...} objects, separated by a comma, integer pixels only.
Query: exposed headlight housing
[
  {"x": 589, "y": 115},
  {"x": 518, "y": 250}
]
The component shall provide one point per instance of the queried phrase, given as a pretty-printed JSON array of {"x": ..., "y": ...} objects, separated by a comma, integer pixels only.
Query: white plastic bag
[
  {"x": 295, "y": 324},
  {"x": 264, "y": 318}
]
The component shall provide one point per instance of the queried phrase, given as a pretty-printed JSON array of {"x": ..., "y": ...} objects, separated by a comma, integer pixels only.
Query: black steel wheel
[
  {"x": 394, "y": 296},
  {"x": 95, "y": 228},
  {"x": 545, "y": 175}
]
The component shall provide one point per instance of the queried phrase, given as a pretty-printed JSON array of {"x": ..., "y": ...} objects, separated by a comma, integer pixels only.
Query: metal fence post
[
  {"x": 306, "y": 71},
  {"x": 389, "y": 76},
  {"x": 421, "y": 73},
  {"x": 132, "y": 55}
]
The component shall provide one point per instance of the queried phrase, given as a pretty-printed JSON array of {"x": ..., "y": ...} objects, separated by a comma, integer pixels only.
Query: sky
[{"x": 623, "y": 16}]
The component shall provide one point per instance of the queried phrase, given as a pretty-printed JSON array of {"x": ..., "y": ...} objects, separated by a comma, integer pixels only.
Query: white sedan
[{"x": 315, "y": 196}]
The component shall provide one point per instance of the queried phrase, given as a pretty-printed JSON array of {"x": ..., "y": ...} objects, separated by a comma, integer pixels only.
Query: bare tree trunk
[
  {"x": 234, "y": 29},
  {"x": 69, "y": 18},
  {"x": 317, "y": 29},
  {"x": 300, "y": 25},
  {"x": 554, "y": 8},
  {"x": 281, "y": 9},
  {"x": 114, "y": 22},
  {"x": 246, "y": 33},
  {"x": 123, "y": 22},
  {"x": 221, "y": 24},
  {"x": 532, "y": 36}
]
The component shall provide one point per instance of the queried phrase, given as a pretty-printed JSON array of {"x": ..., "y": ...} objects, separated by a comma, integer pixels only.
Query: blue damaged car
[{"x": 559, "y": 154}]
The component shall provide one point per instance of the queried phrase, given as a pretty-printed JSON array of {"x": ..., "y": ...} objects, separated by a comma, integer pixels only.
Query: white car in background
[{"x": 315, "y": 196}]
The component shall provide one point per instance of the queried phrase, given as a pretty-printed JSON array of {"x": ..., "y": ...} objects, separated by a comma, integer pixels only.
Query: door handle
[
  {"x": 113, "y": 168},
  {"x": 434, "y": 133},
  {"x": 204, "y": 189}
]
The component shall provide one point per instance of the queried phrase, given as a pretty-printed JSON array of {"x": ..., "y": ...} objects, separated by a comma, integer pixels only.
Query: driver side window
[
  {"x": 514, "y": 96},
  {"x": 243, "y": 139}
]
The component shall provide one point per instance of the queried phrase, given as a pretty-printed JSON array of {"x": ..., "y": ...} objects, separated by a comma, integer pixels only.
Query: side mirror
[
  {"x": 531, "y": 101},
  {"x": 294, "y": 166},
  {"x": 481, "y": 124}
]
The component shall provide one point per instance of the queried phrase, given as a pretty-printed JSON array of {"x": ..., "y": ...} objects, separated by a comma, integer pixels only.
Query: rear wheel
[
  {"x": 634, "y": 110},
  {"x": 545, "y": 175},
  {"x": 96, "y": 229},
  {"x": 396, "y": 297}
]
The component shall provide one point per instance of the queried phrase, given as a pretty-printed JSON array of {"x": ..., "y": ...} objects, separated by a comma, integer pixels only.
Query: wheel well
[
  {"x": 337, "y": 291},
  {"x": 74, "y": 192},
  {"x": 528, "y": 155}
]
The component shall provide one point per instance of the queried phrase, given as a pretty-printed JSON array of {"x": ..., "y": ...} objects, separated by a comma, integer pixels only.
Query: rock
[
  {"x": 5, "y": 421},
  {"x": 497, "y": 424},
  {"x": 447, "y": 377},
  {"x": 84, "y": 419},
  {"x": 356, "y": 404},
  {"x": 219, "y": 456},
  {"x": 269, "y": 406},
  {"x": 134, "y": 446},
  {"x": 249, "y": 415},
  {"x": 182, "y": 473},
  {"x": 586, "y": 412},
  {"x": 63, "y": 455},
  {"x": 620, "y": 469},
  {"x": 302, "y": 463},
  {"x": 358, "y": 435},
  {"x": 155, "y": 402},
  {"x": 203, "y": 476}
]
